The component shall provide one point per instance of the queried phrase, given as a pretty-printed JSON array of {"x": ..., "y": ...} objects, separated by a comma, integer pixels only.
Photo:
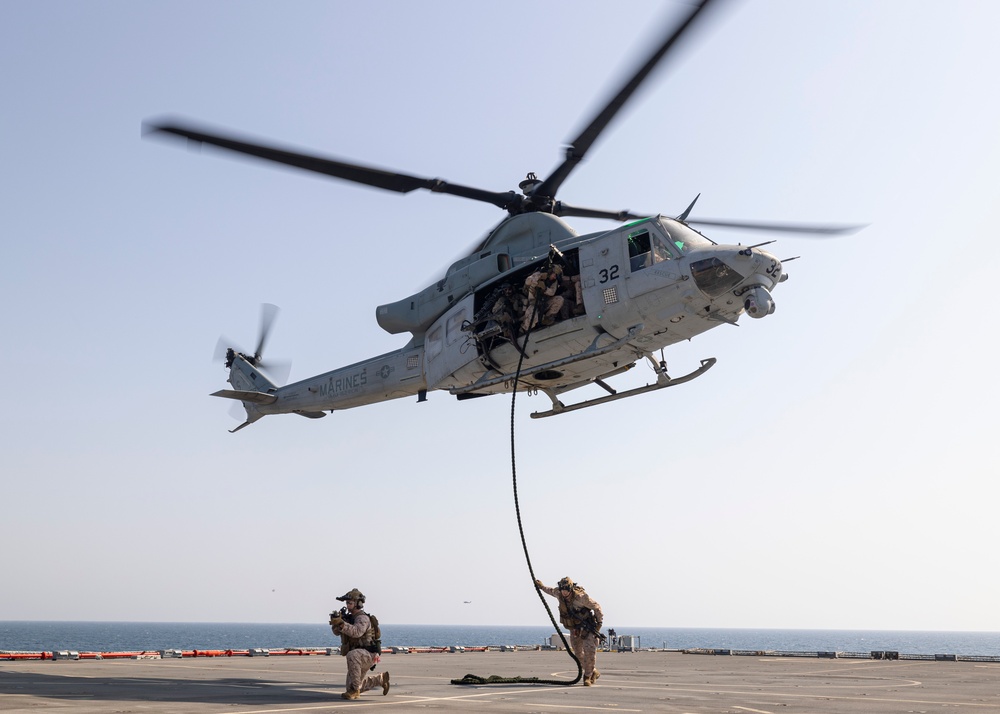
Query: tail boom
[{"x": 389, "y": 376}]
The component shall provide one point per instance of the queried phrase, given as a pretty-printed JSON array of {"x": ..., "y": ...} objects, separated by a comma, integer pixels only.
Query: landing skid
[{"x": 662, "y": 383}]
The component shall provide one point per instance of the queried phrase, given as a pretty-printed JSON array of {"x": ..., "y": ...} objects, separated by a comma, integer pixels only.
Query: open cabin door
[{"x": 604, "y": 267}]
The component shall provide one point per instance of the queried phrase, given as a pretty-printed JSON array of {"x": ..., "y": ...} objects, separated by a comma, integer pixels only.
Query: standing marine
[
  {"x": 582, "y": 616},
  {"x": 541, "y": 304},
  {"x": 360, "y": 643}
]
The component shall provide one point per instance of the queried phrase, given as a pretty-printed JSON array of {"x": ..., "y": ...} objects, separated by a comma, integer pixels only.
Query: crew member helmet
[{"x": 356, "y": 595}]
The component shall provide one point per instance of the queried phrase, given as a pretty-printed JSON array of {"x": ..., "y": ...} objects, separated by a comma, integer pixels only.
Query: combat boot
[
  {"x": 350, "y": 695},
  {"x": 595, "y": 676},
  {"x": 385, "y": 683}
]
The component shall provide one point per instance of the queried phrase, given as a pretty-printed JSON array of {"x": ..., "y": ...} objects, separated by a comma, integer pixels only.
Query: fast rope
[{"x": 494, "y": 679}]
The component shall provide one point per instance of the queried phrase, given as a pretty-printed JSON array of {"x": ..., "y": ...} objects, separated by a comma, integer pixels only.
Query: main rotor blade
[
  {"x": 823, "y": 230},
  {"x": 564, "y": 209},
  {"x": 576, "y": 150},
  {"x": 367, "y": 175}
]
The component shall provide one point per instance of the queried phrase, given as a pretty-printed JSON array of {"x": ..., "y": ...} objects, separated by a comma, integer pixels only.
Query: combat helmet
[
  {"x": 566, "y": 583},
  {"x": 356, "y": 595}
]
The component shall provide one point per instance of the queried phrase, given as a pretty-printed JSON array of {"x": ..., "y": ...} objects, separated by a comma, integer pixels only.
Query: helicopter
[{"x": 535, "y": 306}]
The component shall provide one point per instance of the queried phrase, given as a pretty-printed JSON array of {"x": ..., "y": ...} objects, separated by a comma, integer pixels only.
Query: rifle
[{"x": 591, "y": 627}]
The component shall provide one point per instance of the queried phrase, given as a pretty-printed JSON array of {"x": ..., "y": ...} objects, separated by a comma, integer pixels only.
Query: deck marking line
[
  {"x": 405, "y": 700},
  {"x": 790, "y": 695},
  {"x": 573, "y": 706}
]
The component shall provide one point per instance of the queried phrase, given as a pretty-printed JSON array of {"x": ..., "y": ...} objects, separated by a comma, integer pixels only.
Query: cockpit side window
[
  {"x": 660, "y": 250},
  {"x": 639, "y": 250}
]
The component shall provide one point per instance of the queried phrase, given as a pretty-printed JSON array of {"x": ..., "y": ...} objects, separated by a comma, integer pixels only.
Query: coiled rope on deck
[{"x": 494, "y": 679}]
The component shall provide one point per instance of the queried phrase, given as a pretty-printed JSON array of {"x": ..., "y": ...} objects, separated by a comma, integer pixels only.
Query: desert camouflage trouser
[
  {"x": 358, "y": 663},
  {"x": 552, "y": 307},
  {"x": 584, "y": 646}
]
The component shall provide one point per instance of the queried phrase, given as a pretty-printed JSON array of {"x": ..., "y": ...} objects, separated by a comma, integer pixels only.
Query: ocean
[{"x": 48, "y": 636}]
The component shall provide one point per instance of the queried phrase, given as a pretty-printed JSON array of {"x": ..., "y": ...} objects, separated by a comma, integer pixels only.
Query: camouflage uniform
[
  {"x": 505, "y": 312},
  {"x": 571, "y": 286},
  {"x": 540, "y": 287},
  {"x": 577, "y": 608},
  {"x": 355, "y": 637},
  {"x": 359, "y": 660}
]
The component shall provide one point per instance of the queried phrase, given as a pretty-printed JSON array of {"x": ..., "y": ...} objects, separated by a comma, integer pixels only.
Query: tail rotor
[{"x": 227, "y": 350}]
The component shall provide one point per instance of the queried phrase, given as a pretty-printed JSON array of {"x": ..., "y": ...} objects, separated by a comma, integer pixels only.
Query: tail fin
[{"x": 251, "y": 386}]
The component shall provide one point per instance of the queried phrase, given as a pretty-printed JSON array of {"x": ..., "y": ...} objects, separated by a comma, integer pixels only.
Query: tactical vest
[
  {"x": 371, "y": 640},
  {"x": 576, "y": 617}
]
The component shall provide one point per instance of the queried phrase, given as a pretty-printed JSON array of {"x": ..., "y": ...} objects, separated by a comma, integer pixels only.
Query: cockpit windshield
[{"x": 682, "y": 238}]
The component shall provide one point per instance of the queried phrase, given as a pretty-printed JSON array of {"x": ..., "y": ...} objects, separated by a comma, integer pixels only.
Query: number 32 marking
[{"x": 608, "y": 274}]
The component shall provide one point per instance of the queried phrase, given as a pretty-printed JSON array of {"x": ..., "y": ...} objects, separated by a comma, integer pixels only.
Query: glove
[
  {"x": 336, "y": 620},
  {"x": 538, "y": 584}
]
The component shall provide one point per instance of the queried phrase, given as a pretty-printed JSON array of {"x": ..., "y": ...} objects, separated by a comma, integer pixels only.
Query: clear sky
[{"x": 836, "y": 469}]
